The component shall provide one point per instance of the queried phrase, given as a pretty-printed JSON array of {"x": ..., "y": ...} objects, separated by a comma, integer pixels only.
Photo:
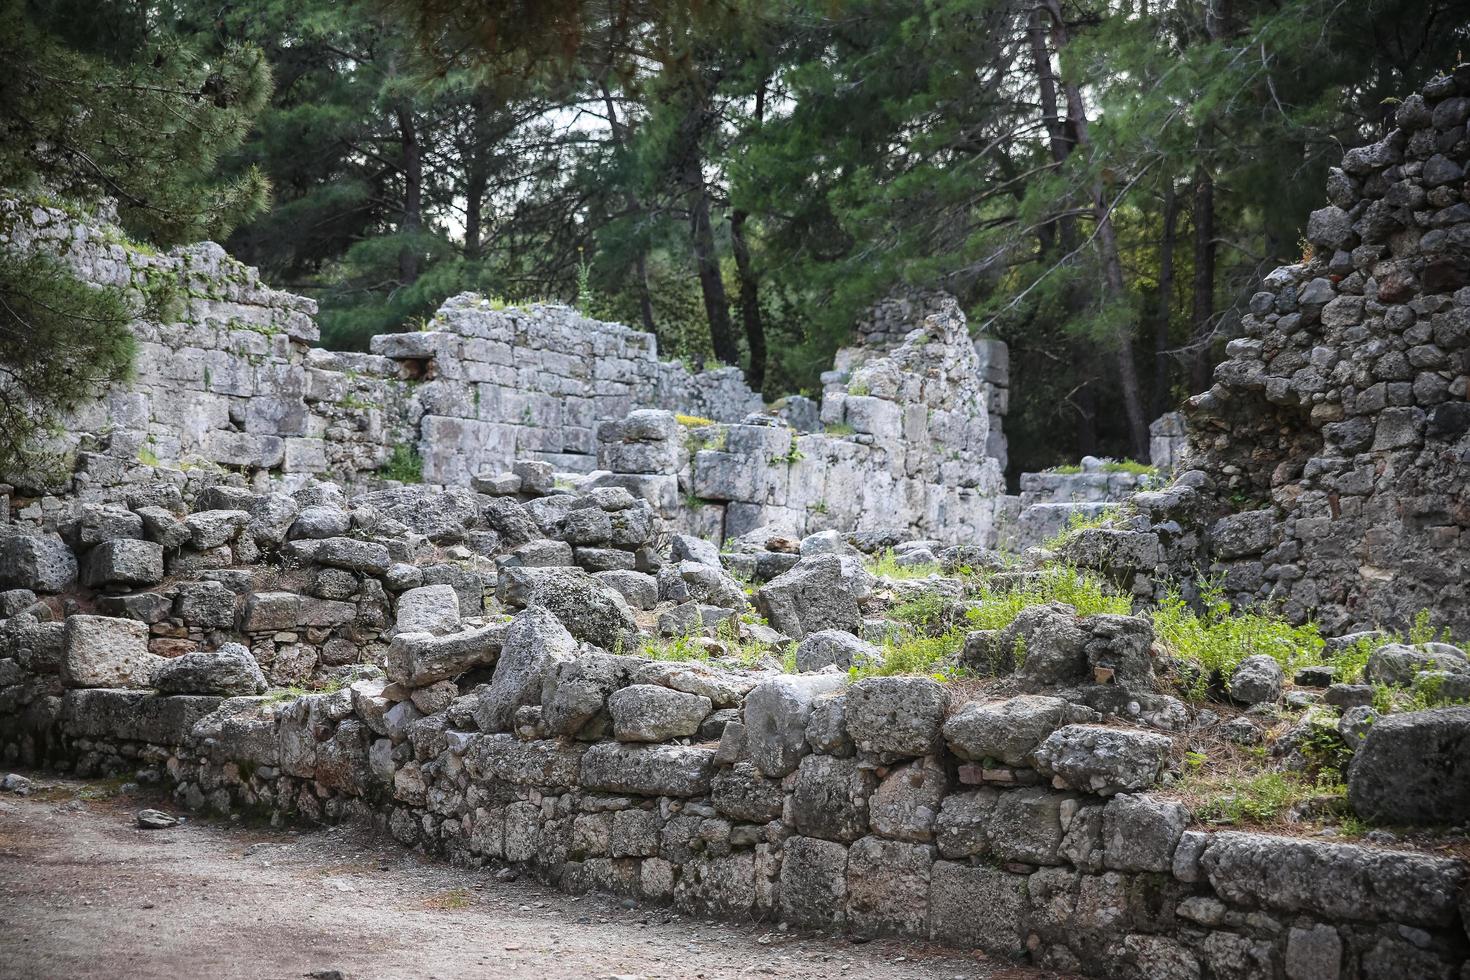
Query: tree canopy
[{"x": 1100, "y": 183}]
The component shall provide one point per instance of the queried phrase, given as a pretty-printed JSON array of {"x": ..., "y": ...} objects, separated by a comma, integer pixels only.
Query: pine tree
[{"x": 127, "y": 111}]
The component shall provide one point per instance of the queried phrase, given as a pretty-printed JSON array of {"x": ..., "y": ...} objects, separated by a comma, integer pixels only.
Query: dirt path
[{"x": 84, "y": 893}]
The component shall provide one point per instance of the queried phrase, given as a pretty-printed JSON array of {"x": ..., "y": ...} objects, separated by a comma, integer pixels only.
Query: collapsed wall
[
  {"x": 904, "y": 449},
  {"x": 1328, "y": 462},
  {"x": 227, "y": 380}
]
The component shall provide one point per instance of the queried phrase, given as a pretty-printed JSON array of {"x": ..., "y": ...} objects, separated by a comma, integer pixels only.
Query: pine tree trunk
[
  {"x": 1128, "y": 383},
  {"x": 413, "y": 195},
  {"x": 1203, "y": 312},
  {"x": 635, "y": 207},
  {"x": 750, "y": 306},
  {"x": 1060, "y": 141},
  {"x": 1166, "y": 301},
  {"x": 707, "y": 265}
]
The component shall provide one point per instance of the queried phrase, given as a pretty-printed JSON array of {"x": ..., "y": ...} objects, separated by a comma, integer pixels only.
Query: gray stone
[
  {"x": 1257, "y": 679},
  {"x": 35, "y": 562},
  {"x": 776, "y": 715},
  {"x": 351, "y": 554},
  {"x": 124, "y": 561},
  {"x": 906, "y": 804},
  {"x": 212, "y": 528},
  {"x": 813, "y": 882},
  {"x": 829, "y": 798},
  {"x": 432, "y": 609},
  {"x": 1398, "y": 663},
  {"x": 1333, "y": 881},
  {"x": 978, "y": 906},
  {"x": 206, "y": 604},
  {"x": 1104, "y": 760},
  {"x": 686, "y": 547},
  {"x": 835, "y": 648},
  {"x": 963, "y": 826},
  {"x": 638, "y": 589},
  {"x": 531, "y": 646},
  {"x": 229, "y": 671},
  {"x": 419, "y": 659},
  {"x": 590, "y": 611},
  {"x": 101, "y": 651},
  {"x": 649, "y": 713},
  {"x": 888, "y": 886},
  {"x": 1330, "y": 227},
  {"x": 321, "y": 521},
  {"x": 1414, "y": 768},
  {"x": 649, "y": 770},
  {"x": 1026, "y": 825},
  {"x": 1140, "y": 832},
  {"x": 575, "y": 692},
  {"x": 743, "y": 793},
  {"x": 1354, "y": 724},
  {"x": 820, "y": 592},
  {"x": 1314, "y": 953},
  {"x": 506, "y": 758},
  {"x": 1008, "y": 731},
  {"x": 898, "y": 716}
]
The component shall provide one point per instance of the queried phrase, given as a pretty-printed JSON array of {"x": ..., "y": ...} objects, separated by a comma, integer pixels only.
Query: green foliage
[
  {"x": 1079, "y": 521},
  {"x": 1000, "y": 601},
  {"x": 135, "y": 112},
  {"x": 60, "y": 341},
  {"x": 105, "y": 100},
  {"x": 916, "y": 654},
  {"x": 404, "y": 465},
  {"x": 885, "y": 565},
  {"x": 1258, "y": 799},
  {"x": 1219, "y": 639}
]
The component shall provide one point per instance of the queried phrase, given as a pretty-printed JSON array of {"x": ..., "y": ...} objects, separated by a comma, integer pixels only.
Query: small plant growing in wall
[{"x": 405, "y": 465}]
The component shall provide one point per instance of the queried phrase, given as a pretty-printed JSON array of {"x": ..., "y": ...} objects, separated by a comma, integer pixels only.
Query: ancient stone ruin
[{"x": 635, "y": 633}]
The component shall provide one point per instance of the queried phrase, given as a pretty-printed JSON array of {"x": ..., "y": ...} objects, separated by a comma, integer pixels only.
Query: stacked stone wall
[
  {"x": 1327, "y": 465},
  {"x": 227, "y": 382},
  {"x": 803, "y": 803}
]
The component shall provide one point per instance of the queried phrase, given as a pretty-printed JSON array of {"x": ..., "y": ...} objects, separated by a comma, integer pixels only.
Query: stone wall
[
  {"x": 1327, "y": 463},
  {"x": 800, "y": 800},
  {"x": 230, "y": 383},
  {"x": 905, "y": 448}
]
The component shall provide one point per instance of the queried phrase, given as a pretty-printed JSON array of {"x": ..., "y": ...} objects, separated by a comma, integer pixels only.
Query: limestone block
[
  {"x": 888, "y": 886},
  {"x": 100, "y": 651}
]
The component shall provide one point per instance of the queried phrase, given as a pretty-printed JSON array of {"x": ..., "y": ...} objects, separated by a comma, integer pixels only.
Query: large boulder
[
  {"x": 35, "y": 562},
  {"x": 1398, "y": 663},
  {"x": 420, "y": 659},
  {"x": 1257, "y": 680},
  {"x": 100, "y": 651},
  {"x": 589, "y": 610},
  {"x": 230, "y": 671},
  {"x": 897, "y": 716},
  {"x": 430, "y": 609},
  {"x": 1105, "y": 760},
  {"x": 439, "y": 514},
  {"x": 534, "y": 643},
  {"x": 649, "y": 713},
  {"x": 820, "y": 592},
  {"x": 1008, "y": 731},
  {"x": 835, "y": 648},
  {"x": 1414, "y": 768},
  {"x": 124, "y": 561},
  {"x": 776, "y": 715}
]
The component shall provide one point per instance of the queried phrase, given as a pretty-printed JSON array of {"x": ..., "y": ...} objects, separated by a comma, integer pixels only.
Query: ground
[{"x": 85, "y": 893}]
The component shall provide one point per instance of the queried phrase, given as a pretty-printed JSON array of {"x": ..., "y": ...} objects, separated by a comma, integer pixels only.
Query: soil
[{"x": 85, "y": 893}]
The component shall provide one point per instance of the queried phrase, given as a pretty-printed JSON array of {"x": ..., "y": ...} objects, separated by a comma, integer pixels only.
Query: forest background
[{"x": 1101, "y": 184}]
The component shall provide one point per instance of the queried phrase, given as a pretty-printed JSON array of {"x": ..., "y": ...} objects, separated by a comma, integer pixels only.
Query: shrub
[
  {"x": 886, "y": 565},
  {"x": 405, "y": 465},
  {"x": 997, "y": 605},
  {"x": 1218, "y": 640}
]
